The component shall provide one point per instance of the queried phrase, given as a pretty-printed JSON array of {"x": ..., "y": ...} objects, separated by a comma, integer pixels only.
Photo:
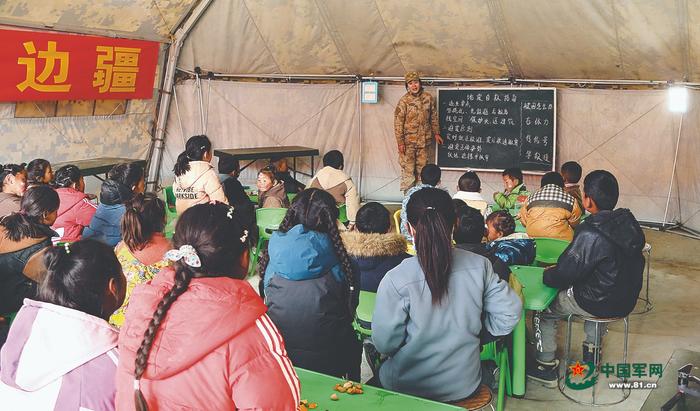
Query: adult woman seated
[
  {"x": 23, "y": 237},
  {"x": 428, "y": 312}
]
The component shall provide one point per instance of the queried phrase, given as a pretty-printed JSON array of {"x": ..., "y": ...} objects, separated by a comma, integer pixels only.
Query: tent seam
[
  {"x": 617, "y": 38},
  {"x": 684, "y": 34},
  {"x": 503, "y": 38},
  {"x": 339, "y": 44},
  {"x": 386, "y": 29},
  {"x": 257, "y": 28}
]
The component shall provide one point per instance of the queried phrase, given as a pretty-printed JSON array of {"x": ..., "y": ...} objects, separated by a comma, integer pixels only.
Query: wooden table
[
  {"x": 261, "y": 153},
  {"x": 96, "y": 166},
  {"x": 318, "y": 388}
]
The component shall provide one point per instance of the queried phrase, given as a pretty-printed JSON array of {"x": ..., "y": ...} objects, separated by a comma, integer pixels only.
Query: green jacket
[{"x": 509, "y": 201}]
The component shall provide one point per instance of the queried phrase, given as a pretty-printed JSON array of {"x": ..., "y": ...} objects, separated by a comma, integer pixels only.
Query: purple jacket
[{"x": 57, "y": 358}]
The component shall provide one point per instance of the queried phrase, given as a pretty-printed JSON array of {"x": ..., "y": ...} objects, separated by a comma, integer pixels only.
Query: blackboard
[{"x": 497, "y": 128}]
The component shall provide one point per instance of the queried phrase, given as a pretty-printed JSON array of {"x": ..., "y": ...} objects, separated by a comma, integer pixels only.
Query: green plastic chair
[
  {"x": 498, "y": 352},
  {"x": 343, "y": 214},
  {"x": 291, "y": 197},
  {"x": 170, "y": 213},
  {"x": 268, "y": 220},
  {"x": 548, "y": 250},
  {"x": 363, "y": 314}
]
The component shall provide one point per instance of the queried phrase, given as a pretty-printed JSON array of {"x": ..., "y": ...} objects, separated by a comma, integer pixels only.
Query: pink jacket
[
  {"x": 216, "y": 349},
  {"x": 74, "y": 213},
  {"x": 57, "y": 358}
]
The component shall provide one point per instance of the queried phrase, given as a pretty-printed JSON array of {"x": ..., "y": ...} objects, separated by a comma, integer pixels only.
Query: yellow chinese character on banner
[
  {"x": 50, "y": 56},
  {"x": 116, "y": 69}
]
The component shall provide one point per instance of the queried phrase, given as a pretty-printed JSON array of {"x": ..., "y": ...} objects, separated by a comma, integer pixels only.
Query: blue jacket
[
  {"x": 373, "y": 255},
  {"x": 515, "y": 249},
  {"x": 434, "y": 349},
  {"x": 306, "y": 292},
  {"x": 105, "y": 225}
]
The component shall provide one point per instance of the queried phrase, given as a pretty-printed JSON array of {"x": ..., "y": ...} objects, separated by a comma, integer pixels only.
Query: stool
[
  {"x": 596, "y": 360},
  {"x": 648, "y": 306},
  {"x": 480, "y": 399}
]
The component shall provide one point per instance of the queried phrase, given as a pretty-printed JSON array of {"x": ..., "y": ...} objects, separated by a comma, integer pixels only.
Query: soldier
[{"x": 415, "y": 123}]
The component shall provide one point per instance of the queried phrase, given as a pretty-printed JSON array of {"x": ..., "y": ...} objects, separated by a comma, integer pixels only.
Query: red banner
[{"x": 57, "y": 66}]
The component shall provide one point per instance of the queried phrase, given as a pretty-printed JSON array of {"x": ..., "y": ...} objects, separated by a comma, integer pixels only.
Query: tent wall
[{"x": 630, "y": 133}]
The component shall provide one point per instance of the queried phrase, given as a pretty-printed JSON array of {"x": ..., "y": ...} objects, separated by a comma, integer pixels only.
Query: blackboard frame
[{"x": 554, "y": 128}]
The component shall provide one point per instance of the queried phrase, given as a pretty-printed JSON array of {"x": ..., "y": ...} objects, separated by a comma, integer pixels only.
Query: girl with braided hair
[
  {"x": 76, "y": 209},
  {"x": 503, "y": 242},
  {"x": 197, "y": 336},
  {"x": 311, "y": 288},
  {"x": 61, "y": 354},
  {"x": 428, "y": 312}
]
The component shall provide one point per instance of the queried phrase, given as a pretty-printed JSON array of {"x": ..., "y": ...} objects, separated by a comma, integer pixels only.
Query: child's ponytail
[{"x": 195, "y": 149}]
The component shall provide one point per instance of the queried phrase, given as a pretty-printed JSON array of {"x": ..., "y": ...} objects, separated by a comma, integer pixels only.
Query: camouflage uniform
[{"x": 415, "y": 124}]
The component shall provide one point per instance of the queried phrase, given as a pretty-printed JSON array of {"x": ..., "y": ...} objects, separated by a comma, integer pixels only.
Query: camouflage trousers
[{"x": 412, "y": 162}]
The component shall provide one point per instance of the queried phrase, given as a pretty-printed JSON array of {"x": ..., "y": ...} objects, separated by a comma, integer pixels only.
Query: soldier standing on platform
[{"x": 415, "y": 124}]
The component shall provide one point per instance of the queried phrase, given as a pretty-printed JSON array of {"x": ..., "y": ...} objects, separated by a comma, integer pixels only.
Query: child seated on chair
[
  {"x": 428, "y": 313},
  {"x": 469, "y": 186},
  {"x": 430, "y": 177},
  {"x": 229, "y": 170},
  {"x": 61, "y": 353},
  {"x": 551, "y": 212},
  {"x": 291, "y": 185},
  {"x": 334, "y": 180},
  {"x": 311, "y": 288},
  {"x": 271, "y": 192},
  {"x": 372, "y": 247},
  {"x": 514, "y": 191},
  {"x": 571, "y": 172},
  {"x": 598, "y": 275},
  {"x": 468, "y": 235},
  {"x": 141, "y": 251},
  {"x": 196, "y": 182},
  {"x": 511, "y": 247}
]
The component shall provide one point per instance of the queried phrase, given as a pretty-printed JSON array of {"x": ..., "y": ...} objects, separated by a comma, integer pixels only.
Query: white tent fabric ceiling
[{"x": 541, "y": 39}]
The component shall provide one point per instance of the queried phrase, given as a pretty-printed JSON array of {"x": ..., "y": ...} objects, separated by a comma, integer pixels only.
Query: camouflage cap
[{"x": 411, "y": 76}]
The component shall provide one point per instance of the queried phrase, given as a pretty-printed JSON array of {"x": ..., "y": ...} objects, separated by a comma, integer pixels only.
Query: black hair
[
  {"x": 195, "y": 149},
  {"x": 144, "y": 216},
  {"x": 10, "y": 169},
  {"x": 373, "y": 218},
  {"x": 78, "y": 274},
  {"x": 469, "y": 226},
  {"x": 316, "y": 210},
  {"x": 514, "y": 173},
  {"x": 552, "y": 178},
  {"x": 66, "y": 176},
  {"x": 571, "y": 171},
  {"x": 228, "y": 165},
  {"x": 128, "y": 174},
  {"x": 469, "y": 182},
  {"x": 432, "y": 215},
  {"x": 601, "y": 187},
  {"x": 36, "y": 169},
  {"x": 36, "y": 203},
  {"x": 457, "y": 203},
  {"x": 334, "y": 158},
  {"x": 502, "y": 221},
  {"x": 218, "y": 237},
  {"x": 430, "y": 174}
]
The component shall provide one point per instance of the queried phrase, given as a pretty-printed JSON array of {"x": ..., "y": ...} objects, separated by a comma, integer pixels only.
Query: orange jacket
[
  {"x": 216, "y": 349},
  {"x": 550, "y": 212}
]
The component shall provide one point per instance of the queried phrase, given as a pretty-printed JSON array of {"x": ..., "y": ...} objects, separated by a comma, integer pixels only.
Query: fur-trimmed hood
[{"x": 366, "y": 245}]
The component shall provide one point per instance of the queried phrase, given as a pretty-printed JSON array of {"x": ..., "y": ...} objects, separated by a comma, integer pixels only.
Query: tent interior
[{"x": 278, "y": 73}]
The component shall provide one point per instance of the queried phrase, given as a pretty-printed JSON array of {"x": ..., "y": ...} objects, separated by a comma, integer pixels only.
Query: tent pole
[
  {"x": 673, "y": 172},
  {"x": 360, "y": 134},
  {"x": 168, "y": 87}
]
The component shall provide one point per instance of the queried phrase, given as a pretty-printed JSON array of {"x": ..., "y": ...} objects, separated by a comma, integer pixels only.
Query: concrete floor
[{"x": 671, "y": 324}]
